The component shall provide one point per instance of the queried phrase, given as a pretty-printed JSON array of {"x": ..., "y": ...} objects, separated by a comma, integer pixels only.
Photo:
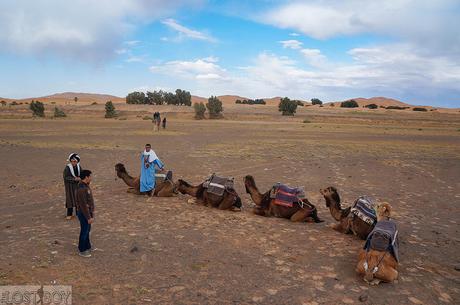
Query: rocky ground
[{"x": 168, "y": 251}]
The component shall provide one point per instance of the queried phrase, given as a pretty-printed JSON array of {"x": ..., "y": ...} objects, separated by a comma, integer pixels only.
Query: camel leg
[
  {"x": 226, "y": 203},
  {"x": 300, "y": 216},
  {"x": 165, "y": 192},
  {"x": 258, "y": 211},
  {"x": 132, "y": 190}
]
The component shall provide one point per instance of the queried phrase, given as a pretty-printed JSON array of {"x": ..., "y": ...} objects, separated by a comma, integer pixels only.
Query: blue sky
[{"x": 333, "y": 50}]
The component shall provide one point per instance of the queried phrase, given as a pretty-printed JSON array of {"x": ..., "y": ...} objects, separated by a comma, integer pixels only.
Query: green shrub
[
  {"x": 38, "y": 109},
  {"x": 94, "y": 103},
  {"x": 59, "y": 113},
  {"x": 315, "y": 101},
  {"x": 200, "y": 109},
  {"x": 395, "y": 107},
  {"x": 214, "y": 106},
  {"x": 287, "y": 106},
  {"x": 306, "y": 121},
  {"x": 13, "y": 103},
  {"x": 371, "y": 106},
  {"x": 349, "y": 104},
  {"x": 419, "y": 109},
  {"x": 3, "y": 103},
  {"x": 110, "y": 110},
  {"x": 332, "y": 104}
]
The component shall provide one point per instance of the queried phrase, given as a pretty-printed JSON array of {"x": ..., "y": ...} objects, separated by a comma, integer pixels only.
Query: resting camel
[
  {"x": 163, "y": 188},
  {"x": 348, "y": 222},
  {"x": 265, "y": 206},
  {"x": 228, "y": 201},
  {"x": 378, "y": 261}
]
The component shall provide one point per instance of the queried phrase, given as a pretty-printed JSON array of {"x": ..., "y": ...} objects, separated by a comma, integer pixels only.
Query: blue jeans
[{"x": 83, "y": 242}]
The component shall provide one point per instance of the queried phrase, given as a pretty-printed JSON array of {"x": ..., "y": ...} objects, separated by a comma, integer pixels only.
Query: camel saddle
[
  {"x": 364, "y": 209},
  {"x": 384, "y": 237},
  {"x": 164, "y": 177},
  {"x": 285, "y": 195},
  {"x": 218, "y": 185}
]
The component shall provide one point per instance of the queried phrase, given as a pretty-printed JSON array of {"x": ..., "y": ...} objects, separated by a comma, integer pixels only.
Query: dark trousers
[
  {"x": 69, "y": 211},
  {"x": 83, "y": 242}
]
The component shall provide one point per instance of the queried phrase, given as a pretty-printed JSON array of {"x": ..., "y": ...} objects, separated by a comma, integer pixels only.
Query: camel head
[
  {"x": 120, "y": 169},
  {"x": 249, "y": 182},
  {"x": 383, "y": 211},
  {"x": 330, "y": 193},
  {"x": 371, "y": 265},
  {"x": 182, "y": 185}
]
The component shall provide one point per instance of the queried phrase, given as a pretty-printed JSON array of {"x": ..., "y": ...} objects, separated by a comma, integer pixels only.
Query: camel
[
  {"x": 230, "y": 200},
  {"x": 163, "y": 188},
  {"x": 265, "y": 205},
  {"x": 349, "y": 223},
  {"x": 380, "y": 262}
]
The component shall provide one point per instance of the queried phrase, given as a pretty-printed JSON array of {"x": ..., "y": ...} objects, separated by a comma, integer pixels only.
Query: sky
[{"x": 327, "y": 49}]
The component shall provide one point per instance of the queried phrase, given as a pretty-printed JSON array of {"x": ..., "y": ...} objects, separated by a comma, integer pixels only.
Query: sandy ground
[{"x": 168, "y": 251}]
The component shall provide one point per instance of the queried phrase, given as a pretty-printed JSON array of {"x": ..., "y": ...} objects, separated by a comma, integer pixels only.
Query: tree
[
  {"x": 3, "y": 103},
  {"x": 371, "y": 106},
  {"x": 59, "y": 113},
  {"x": 287, "y": 106},
  {"x": 349, "y": 104},
  {"x": 316, "y": 101},
  {"x": 110, "y": 110},
  {"x": 238, "y": 102},
  {"x": 183, "y": 98},
  {"x": 135, "y": 98},
  {"x": 75, "y": 99},
  {"x": 38, "y": 109},
  {"x": 200, "y": 109},
  {"x": 214, "y": 106}
]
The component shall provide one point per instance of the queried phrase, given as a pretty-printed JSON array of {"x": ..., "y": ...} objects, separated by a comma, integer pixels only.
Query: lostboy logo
[{"x": 36, "y": 295}]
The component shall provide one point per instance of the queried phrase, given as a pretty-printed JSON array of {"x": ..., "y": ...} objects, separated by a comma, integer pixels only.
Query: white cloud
[
  {"x": 314, "y": 57},
  {"x": 186, "y": 32},
  {"x": 79, "y": 29},
  {"x": 431, "y": 25},
  {"x": 294, "y": 34},
  {"x": 204, "y": 68},
  {"x": 291, "y": 44}
]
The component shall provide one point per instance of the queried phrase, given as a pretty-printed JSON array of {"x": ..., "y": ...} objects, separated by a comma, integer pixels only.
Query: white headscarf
[
  {"x": 152, "y": 155},
  {"x": 70, "y": 166}
]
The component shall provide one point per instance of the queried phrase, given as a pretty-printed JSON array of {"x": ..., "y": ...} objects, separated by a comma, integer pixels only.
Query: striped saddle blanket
[
  {"x": 384, "y": 237},
  {"x": 286, "y": 196},
  {"x": 218, "y": 185},
  {"x": 364, "y": 209}
]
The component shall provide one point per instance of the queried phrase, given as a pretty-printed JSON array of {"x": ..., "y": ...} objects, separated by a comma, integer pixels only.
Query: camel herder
[
  {"x": 71, "y": 179},
  {"x": 148, "y": 161}
]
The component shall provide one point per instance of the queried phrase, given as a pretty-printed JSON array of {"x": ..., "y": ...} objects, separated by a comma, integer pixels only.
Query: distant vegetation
[
  {"x": 200, "y": 109},
  {"x": 315, "y": 101},
  {"x": 214, "y": 107},
  {"x": 251, "y": 102},
  {"x": 396, "y": 107},
  {"x": 349, "y": 104},
  {"x": 59, "y": 113},
  {"x": 38, "y": 109},
  {"x": 371, "y": 106},
  {"x": 419, "y": 109},
  {"x": 110, "y": 110},
  {"x": 181, "y": 98},
  {"x": 299, "y": 103},
  {"x": 13, "y": 103},
  {"x": 287, "y": 106},
  {"x": 3, "y": 103}
]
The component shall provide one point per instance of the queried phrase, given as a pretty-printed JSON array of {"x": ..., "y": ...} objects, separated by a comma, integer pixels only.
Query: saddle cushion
[
  {"x": 285, "y": 195},
  {"x": 163, "y": 177},
  {"x": 384, "y": 237},
  {"x": 364, "y": 209},
  {"x": 218, "y": 185}
]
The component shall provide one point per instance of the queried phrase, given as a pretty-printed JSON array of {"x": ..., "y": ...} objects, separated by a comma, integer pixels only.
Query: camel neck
[
  {"x": 127, "y": 178},
  {"x": 336, "y": 210},
  {"x": 256, "y": 196}
]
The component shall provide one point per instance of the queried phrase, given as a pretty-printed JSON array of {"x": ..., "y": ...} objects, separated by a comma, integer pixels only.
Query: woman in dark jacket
[{"x": 71, "y": 179}]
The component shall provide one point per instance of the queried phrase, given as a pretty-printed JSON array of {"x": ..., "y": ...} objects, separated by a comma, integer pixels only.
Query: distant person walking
[
  {"x": 85, "y": 212},
  {"x": 158, "y": 122},
  {"x": 164, "y": 123},
  {"x": 71, "y": 179}
]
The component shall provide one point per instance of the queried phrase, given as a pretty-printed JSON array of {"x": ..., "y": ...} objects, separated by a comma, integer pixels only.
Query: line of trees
[
  {"x": 257, "y": 101},
  {"x": 180, "y": 98}
]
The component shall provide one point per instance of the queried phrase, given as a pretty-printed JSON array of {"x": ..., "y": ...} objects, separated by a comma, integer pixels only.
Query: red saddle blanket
[{"x": 287, "y": 196}]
